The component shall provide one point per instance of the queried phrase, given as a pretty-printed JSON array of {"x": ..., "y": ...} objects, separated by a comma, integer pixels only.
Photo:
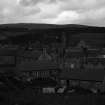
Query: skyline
[{"x": 84, "y": 12}]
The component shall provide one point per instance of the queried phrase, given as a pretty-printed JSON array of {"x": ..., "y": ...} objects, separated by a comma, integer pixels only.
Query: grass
[{"x": 28, "y": 97}]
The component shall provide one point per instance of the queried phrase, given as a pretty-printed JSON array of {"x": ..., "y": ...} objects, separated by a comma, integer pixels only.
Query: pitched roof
[
  {"x": 44, "y": 62},
  {"x": 44, "y": 57},
  {"x": 84, "y": 75},
  {"x": 7, "y": 52},
  {"x": 33, "y": 54},
  {"x": 82, "y": 43},
  {"x": 77, "y": 52},
  {"x": 37, "y": 65}
]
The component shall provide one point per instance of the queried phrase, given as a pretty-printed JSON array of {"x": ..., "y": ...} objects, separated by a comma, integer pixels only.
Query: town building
[
  {"x": 44, "y": 68},
  {"x": 8, "y": 60},
  {"x": 81, "y": 66}
]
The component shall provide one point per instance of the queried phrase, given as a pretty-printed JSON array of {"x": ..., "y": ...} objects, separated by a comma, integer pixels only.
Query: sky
[{"x": 84, "y": 12}]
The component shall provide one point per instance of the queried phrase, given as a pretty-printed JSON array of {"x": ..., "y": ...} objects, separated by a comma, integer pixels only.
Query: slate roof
[
  {"x": 8, "y": 52},
  {"x": 37, "y": 65},
  {"x": 43, "y": 62},
  {"x": 77, "y": 52},
  {"x": 84, "y": 75}
]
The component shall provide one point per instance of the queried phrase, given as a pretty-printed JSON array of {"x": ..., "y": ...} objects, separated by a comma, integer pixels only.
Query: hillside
[{"x": 19, "y": 33}]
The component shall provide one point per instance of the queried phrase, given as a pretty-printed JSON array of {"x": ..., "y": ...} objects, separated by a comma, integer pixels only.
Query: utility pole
[{"x": 62, "y": 49}]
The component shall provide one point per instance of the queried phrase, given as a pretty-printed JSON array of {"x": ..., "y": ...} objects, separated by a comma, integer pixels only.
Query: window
[{"x": 7, "y": 60}]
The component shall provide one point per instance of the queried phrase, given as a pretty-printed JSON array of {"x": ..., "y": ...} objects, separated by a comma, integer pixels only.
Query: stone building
[
  {"x": 78, "y": 67},
  {"x": 44, "y": 68},
  {"x": 8, "y": 60}
]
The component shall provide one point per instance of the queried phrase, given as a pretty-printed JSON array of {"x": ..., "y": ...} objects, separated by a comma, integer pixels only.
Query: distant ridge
[
  {"x": 46, "y": 33},
  {"x": 22, "y": 28},
  {"x": 44, "y": 26}
]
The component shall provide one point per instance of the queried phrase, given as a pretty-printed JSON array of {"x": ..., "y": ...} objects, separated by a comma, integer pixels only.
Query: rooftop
[
  {"x": 7, "y": 52},
  {"x": 37, "y": 65},
  {"x": 84, "y": 75}
]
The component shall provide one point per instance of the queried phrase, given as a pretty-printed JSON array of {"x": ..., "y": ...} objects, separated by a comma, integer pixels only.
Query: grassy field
[{"x": 28, "y": 97}]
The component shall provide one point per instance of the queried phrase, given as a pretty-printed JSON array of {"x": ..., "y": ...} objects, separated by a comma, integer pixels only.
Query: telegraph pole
[{"x": 63, "y": 46}]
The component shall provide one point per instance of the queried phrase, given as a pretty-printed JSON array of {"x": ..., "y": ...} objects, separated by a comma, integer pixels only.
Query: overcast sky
[{"x": 87, "y": 12}]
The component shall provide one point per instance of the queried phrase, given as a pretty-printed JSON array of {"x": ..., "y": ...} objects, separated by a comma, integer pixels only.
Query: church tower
[{"x": 45, "y": 55}]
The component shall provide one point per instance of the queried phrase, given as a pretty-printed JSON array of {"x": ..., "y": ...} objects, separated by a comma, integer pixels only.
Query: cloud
[
  {"x": 35, "y": 2},
  {"x": 88, "y": 12},
  {"x": 93, "y": 17},
  {"x": 29, "y": 2},
  {"x": 81, "y": 4},
  {"x": 66, "y": 17}
]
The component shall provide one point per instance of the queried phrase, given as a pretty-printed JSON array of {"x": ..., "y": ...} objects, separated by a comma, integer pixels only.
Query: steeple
[{"x": 45, "y": 55}]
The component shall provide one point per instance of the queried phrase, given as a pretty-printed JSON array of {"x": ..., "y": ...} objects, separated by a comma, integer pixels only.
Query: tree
[{"x": 82, "y": 45}]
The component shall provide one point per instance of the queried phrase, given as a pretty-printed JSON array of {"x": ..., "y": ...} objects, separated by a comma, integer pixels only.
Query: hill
[{"x": 23, "y": 32}]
